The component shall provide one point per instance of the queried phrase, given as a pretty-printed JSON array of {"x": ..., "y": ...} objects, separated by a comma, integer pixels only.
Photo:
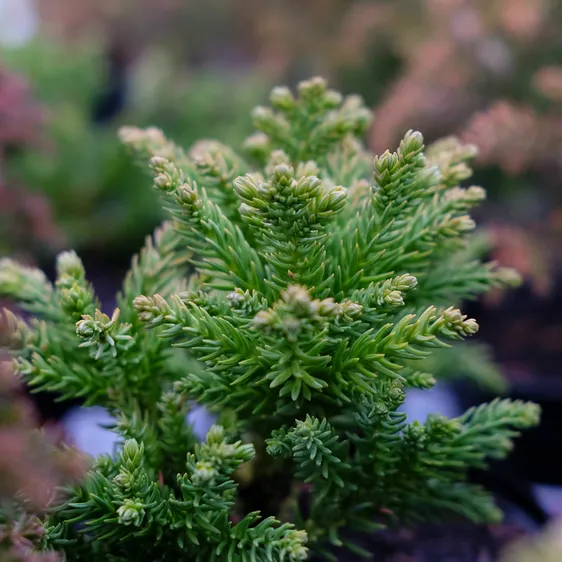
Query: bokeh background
[{"x": 489, "y": 71}]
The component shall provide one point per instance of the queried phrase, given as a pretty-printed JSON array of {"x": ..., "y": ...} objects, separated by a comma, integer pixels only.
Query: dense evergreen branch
[{"x": 324, "y": 289}]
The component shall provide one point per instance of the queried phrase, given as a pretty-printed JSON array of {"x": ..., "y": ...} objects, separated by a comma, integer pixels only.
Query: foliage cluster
[{"x": 324, "y": 278}]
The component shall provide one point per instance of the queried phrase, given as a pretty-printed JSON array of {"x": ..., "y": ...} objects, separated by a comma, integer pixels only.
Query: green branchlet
[{"x": 324, "y": 280}]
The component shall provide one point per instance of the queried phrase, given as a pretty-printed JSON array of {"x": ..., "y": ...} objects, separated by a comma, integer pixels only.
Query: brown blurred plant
[
  {"x": 458, "y": 55},
  {"x": 519, "y": 249},
  {"x": 514, "y": 137},
  {"x": 20, "y": 117},
  {"x": 271, "y": 35},
  {"x": 33, "y": 461},
  {"x": 548, "y": 81},
  {"x": 17, "y": 542},
  {"x": 527, "y": 147}
]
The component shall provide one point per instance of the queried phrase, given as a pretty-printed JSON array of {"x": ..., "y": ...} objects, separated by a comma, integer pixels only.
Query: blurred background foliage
[
  {"x": 81, "y": 167},
  {"x": 489, "y": 71}
]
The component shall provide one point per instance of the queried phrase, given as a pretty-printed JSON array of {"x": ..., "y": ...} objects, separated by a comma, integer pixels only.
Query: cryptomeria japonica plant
[{"x": 295, "y": 295}]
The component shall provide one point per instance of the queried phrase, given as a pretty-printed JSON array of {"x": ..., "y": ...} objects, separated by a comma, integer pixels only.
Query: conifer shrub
[{"x": 296, "y": 293}]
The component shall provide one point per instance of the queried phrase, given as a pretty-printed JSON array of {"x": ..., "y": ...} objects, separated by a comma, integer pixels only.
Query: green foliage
[
  {"x": 313, "y": 308},
  {"x": 83, "y": 169}
]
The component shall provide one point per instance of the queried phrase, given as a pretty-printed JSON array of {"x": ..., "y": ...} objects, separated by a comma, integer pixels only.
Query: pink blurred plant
[
  {"x": 514, "y": 137},
  {"x": 33, "y": 461}
]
